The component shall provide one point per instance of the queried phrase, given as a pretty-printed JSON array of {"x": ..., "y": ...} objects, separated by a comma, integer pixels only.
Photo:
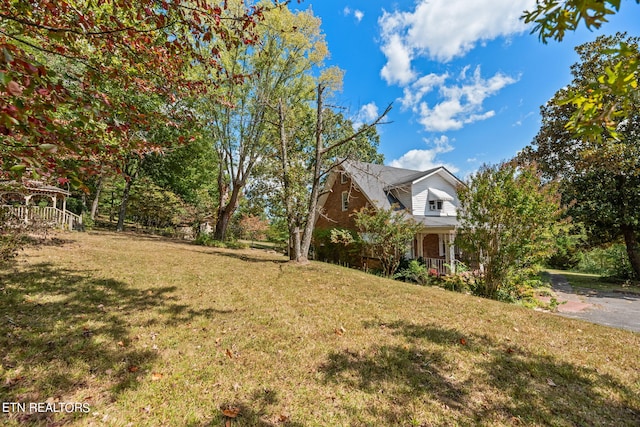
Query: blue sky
[{"x": 465, "y": 77}]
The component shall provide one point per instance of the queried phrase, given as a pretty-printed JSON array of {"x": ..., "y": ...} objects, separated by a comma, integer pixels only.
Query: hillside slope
[{"x": 148, "y": 331}]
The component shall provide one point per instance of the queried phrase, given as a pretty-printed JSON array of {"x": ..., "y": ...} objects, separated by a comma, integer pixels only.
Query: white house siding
[{"x": 421, "y": 192}]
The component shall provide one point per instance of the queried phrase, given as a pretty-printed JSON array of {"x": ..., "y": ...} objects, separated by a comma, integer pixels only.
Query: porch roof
[{"x": 437, "y": 221}]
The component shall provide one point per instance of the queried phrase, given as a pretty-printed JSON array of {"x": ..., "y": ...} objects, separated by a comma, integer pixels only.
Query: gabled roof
[{"x": 375, "y": 181}]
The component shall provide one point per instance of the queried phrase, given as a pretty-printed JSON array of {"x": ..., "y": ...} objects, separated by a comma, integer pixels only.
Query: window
[
  {"x": 435, "y": 205},
  {"x": 343, "y": 177},
  {"x": 345, "y": 200}
]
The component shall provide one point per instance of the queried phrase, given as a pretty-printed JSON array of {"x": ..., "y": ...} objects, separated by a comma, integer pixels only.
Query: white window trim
[
  {"x": 345, "y": 201},
  {"x": 436, "y": 205},
  {"x": 343, "y": 177}
]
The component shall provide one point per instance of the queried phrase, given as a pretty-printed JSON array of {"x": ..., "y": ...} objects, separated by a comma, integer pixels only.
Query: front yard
[{"x": 148, "y": 331}]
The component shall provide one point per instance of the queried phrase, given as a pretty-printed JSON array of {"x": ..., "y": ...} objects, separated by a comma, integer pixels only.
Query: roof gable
[{"x": 375, "y": 181}]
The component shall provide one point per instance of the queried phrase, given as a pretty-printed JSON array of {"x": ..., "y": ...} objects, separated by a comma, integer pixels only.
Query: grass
[
  {"x": 151, "y": 332},
  {"x": 594, "y": 281}
]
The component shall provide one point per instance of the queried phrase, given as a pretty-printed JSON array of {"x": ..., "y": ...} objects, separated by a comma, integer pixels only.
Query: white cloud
[
  {"x": 426, "y": 159},
  {"x": 443, "y": 30},
  {"x": 420, "y": 160},
  {"x": 398, "y": 66},
  {"x": 459, "y": 104},
  {"x": 358, "y": 14},
  {"x": 367, "y": 113},
  {"x": 414, "y": 93}
]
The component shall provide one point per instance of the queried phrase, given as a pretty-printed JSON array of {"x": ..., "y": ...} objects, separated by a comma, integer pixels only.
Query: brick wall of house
[
  {"x": 430, "y": 246},
  {"x": 333, "y": 216}
]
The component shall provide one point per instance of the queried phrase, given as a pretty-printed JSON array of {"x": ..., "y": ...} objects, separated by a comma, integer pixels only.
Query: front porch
[{"x": 437, "y": 249}]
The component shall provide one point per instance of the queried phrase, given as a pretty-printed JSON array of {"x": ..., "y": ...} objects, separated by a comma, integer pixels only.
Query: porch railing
[
  {"x": 440, "y": 265},
  {"x": 48, "y": 214}
]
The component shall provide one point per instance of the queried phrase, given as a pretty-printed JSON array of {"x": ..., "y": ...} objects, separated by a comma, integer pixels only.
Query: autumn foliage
[{"x": 72, "y": 74}]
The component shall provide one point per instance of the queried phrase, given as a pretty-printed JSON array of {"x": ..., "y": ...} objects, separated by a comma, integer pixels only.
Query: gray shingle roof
[{"x": 374, "y": 180}]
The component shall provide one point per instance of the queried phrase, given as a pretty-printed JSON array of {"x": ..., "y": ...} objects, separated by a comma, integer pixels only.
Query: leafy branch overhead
[
  {"x": 553, "y": 18},
  {"x": 60, "y": 60},
  {"x": 610, "y": 95}
]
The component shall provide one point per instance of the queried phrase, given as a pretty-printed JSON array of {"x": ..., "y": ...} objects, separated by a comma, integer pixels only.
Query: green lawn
[
  {"x": 150, "y": 332},
  {"x": 594, "y": 281}
]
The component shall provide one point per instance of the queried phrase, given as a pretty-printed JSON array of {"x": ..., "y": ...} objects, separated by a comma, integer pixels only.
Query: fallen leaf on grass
[
  {"x": 156, "y": 376},
  {"x": 120, "y": 344},
  {"x": 229, "y": 353},
  {"x": 231, "y": 412},
  {"x": 551, "y": 383},
  {"x": 134, "y": 368},
  {"x": 339, "y": 331},
  {"x": 463, "y": 341},
  {"x": 283, "y": 418}
]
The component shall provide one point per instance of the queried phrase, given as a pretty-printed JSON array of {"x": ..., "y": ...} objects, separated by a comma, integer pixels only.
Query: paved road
[{"x": 618, "y": 310}]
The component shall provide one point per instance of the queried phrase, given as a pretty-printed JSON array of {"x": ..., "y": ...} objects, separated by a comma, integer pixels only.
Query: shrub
[
  {"x": 415, "y": 271},
  {"x": 606, "y": 261},
  {"x": 205, "y": 239}
]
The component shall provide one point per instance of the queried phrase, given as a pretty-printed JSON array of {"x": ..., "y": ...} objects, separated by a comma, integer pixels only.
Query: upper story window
[
  {"x": 345, "y": 200},
  {"x": 435, "y": 205},
  {"x": 343, "y": 177}
]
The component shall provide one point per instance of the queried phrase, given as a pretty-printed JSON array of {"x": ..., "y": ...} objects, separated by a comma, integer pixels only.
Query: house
[{"x": 430, "y": 197}]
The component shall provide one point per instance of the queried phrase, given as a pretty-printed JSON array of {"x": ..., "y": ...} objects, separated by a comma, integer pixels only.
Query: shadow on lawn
[
  {"x": 257, "y": 413},
  {"x": 67, "y": 335},
  {"x": 508, "y": 384}
]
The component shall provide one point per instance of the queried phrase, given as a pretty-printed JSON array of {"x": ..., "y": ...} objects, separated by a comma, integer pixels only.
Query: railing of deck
[{"x": 55, "y": 216}]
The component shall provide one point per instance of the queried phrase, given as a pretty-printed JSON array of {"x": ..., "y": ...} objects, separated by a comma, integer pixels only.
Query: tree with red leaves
[{"x": 72, "y": 73}]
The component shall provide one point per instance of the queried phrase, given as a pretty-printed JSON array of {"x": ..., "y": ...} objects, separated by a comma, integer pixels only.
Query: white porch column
[
  {"x": 64, "y": 204},
  {"x": 452, "y": 252},
  {"x": 420, "y": 243}
]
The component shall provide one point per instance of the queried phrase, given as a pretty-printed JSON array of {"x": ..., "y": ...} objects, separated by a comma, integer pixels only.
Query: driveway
[{"x": 615, "y": 309}]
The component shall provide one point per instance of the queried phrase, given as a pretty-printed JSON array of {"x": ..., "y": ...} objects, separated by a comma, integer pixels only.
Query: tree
[
  {"x": 508, "y": 220},
  {"x": 290, "y": 46},
  {"x": 611, "y": 94},
  {"x": 296, "y": 160},
  {"x": 600, "y": 179},
  {"x": 327, "y": 145},
  {"x": 553, "y": 18},
  {"x": 387, "y": 233},
  {"x": 52, "y": 114},
  {"x": 253, "y": 227}
]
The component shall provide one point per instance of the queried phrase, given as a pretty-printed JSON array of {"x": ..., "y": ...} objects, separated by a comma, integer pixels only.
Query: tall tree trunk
[
  {"x": 226, "y": 212},
  {"x": 123, "y": 205},
  {"x": 315, "y": 186},
  {"x": 633, "y": 248},
  {"x": 292, "y": 226},
  {"x": 96, "y": 199}
]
